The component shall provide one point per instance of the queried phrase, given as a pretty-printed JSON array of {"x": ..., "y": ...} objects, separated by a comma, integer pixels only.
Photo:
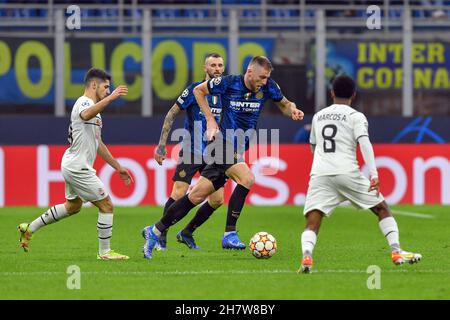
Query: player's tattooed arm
[
  {"x": 160, "y": 152},
  {"x": 289, "y": 109}
]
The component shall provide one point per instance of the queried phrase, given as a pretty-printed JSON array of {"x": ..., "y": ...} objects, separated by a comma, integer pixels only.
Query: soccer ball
[{"x": 263, "y": 245}]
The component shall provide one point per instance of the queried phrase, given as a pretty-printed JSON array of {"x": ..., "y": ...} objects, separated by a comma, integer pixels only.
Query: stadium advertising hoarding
[
  {"x": 30, "y": 175},
  {"x": 27, "y": 66},
  {"x": 21, "y": 129},
  {"x": 377, "y": 65}
]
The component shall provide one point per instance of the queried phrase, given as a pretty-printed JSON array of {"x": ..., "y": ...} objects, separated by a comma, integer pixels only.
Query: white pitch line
[
  {"x": 213, "y": 272},
  {"x": 146, "y": 273},
  {"x": 413, "y": 214},
  {"x": 403, "y": 213}
]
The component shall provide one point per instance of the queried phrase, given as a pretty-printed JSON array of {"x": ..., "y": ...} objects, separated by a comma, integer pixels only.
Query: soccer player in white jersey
[
  {"x": 335, "y": 175},
  {"x": 82, "y": 183}
]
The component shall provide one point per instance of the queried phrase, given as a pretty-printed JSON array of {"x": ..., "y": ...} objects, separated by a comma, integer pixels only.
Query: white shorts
[
  {"x": 326, "y": 192},
  {"x": 86, "y": 186}
]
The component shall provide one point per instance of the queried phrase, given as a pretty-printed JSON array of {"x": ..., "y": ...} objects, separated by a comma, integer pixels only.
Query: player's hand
[
  {"x": 374, "y": 185},
  {"x": 297, "y": 114},
  {"x": 211, "y": 129},
  {"x": 160, "y": 154},
  {"x": 125, "y": 176},
  {"x": 119, "y": 92}
]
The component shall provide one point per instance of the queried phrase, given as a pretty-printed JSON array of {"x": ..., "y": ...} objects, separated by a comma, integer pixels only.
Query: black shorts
[
  {"x": 220, "y": 161},
  {"x": 216, "y": 174},
  {"x": 186, "y": 171}
]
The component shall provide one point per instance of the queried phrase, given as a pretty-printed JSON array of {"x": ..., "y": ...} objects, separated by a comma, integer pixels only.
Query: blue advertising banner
[
  {"x": 377, "y": 65},
  {"x": 27, "y": 71}
]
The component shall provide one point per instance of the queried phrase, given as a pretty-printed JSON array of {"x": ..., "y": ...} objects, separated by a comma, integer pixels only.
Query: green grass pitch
[{"x": 349, "y": 242}]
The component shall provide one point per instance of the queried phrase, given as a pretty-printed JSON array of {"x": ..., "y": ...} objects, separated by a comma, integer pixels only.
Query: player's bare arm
[
  {"x": 92, "y": 111},
  {"x": 289, "y": 109},
  {"x": 161, "y": 152},
  {"x": 106, "y": 155},
  {"x": 200, "y": 93}
]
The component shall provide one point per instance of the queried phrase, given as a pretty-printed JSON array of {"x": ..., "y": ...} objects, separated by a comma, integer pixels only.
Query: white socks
[
  {"x": 389, "y": 229},
  {"x": 50, "y": 216},
  {"x": 104, "y": 228},
  {"x": 309, "y": 239}
]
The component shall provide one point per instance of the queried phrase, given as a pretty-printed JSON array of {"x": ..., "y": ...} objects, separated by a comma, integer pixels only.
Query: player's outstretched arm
[
  {"x": 107, "y": 156},
  {"x": 200, "y": 93},
  {"x": 161, "y": 152},
  {"x": 289, "y": 109},
  {"x": 92, "y": 111}
]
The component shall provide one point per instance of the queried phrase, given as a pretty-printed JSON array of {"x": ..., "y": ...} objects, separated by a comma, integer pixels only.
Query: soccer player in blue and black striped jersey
[
  {"x": 242, "y": 101},
  {"x": 191, "y": 156}
]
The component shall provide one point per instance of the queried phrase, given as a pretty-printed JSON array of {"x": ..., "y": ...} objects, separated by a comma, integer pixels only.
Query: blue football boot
[
  {"x": 151, "y": 239},
  {"x": 187, "y": 240},
  {"x": 232, "y": 241},
  {"x": 162, "y": 242}
]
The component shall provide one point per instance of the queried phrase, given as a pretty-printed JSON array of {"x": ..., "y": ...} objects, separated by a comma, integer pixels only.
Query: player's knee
[
  {"x": 215, "y": 202},
  {"x": 249, "y": 180},
  {"x": 73, "y": 210},
  {"x": 106, "y": 206},
  {"x": 313, "y": 220},
  {"x": 73, "y": 207},
  {"x": 178, "y": 193},
  {"x": 197, "y": 197},
  {"x": 109, "y": 207},
  {"x": 179, "y": 190},
  {"x": 381, "y": 210}
]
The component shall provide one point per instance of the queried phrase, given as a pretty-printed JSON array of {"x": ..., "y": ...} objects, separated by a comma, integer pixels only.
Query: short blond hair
[{"x": 262, "y": 61}]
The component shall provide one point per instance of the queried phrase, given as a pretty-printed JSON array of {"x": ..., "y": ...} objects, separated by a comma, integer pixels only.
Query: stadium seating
[{"x": 279, "y": 14}]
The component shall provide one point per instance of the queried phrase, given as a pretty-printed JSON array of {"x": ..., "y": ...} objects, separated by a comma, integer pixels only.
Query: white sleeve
[
  {"x": 360, "y": 125},
  {"x": 83, "y": 105},
  {"x": 368, "y": 155},
  {"x": 312, "y": 134}
]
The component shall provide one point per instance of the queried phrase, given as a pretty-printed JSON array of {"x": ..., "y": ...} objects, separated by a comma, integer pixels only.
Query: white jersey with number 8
[{"x": 335, "y": 132}]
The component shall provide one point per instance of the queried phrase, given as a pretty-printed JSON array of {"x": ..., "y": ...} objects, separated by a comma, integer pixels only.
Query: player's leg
[
  {"x": 186, "y": 168},
  {"x": 215, "y": 200},
  {"x": 177, "y": 211},
  {"x": 71, "y": 206},
  {"x": 245, "y": 179},
  {"x": 179, "y": 189},
  {"x": 56, "y": 213},
  {"x": 355, "y": 188},
  {"x": 389, "y": 228},
  {"x": 90, "y": 188},
  {"x": 52, "y": 215},
  {"x": 309, "y": 238},
  {"x": 321, "y": 198},
  {"x": 104, "y": 230}
]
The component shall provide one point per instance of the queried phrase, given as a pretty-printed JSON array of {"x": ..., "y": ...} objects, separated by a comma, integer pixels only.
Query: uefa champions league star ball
[{"x": 263, "y": 245}]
